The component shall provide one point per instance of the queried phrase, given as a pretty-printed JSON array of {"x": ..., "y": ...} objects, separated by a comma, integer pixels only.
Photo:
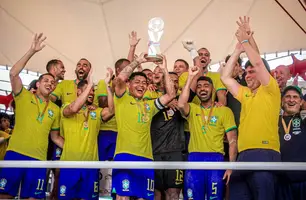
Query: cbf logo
[
  {"x": 93, "y": 115},
  {"x": 63, "y": 191},
  {"x": 189, "y": 194},
  {"x": 126, "y": 185},
  {"x": 147, "y": 107},
  {"x": 296, "y": 123},
  {"x": 3, "y": 183},
  {"x": 58, "y": 152},
  {"x": 50, "y": 113},
  {"x": 214, "y": 119}
]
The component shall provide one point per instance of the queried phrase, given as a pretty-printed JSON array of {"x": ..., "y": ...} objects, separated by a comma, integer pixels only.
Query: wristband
[
  {"x": 244, "y": 41},
  {"x": 194, "y": 53}
]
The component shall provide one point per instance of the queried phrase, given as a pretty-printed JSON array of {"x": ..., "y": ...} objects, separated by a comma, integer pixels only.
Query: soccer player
[
  {"x": 57, "y": 69},
  {"x": 292, "y": 136},
  {"x": 134, "y": 116},
  {"x": 36, "y": 116},
  {"x": 208, "y": 124},
  {"x": 5, "y": 132},
  {"x": 180, "y": 66},
  {"x": 168, "y": 143},
  {"x": 66, "y": 90},
  {"x": 258, "y": 139},
  {"x": 80, "y": 128},
  {"x": 149, "y": 75}
]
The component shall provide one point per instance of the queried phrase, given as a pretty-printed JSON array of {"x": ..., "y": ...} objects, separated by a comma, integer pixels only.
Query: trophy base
[{"x": 157, "y": 58}]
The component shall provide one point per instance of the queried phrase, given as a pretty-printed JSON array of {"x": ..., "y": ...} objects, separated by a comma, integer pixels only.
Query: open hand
[{"x": 37, "y": 42}]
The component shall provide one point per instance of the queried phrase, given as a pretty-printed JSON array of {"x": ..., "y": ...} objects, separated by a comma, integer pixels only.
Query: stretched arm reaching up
[
  {"x": 133, "y": 43},
  {"x": 226, "y": 71},
  {"x": 108, "y": 112},
  {"x": 18, "y": 67},
  {"x": 262, "y": 73},
  {"x": 183, "y": 99}
]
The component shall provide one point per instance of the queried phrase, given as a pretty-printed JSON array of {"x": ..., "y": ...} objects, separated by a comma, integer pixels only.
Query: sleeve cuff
[
  {"x": 230, "y": 129},
  {"x": 121, "y": 95},
  {"x": 55, "y": 95},
  {"x": 220, "y": 89},
  {"x": 102, "y": 95},
  {"x": 15, "y": 95},
  {"x": 55, "y": 129}
]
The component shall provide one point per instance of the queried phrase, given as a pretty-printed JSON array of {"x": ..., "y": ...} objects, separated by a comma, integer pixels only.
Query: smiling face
[
  {"x": 60, "y": 70},
  {"x": 138, "y": 86},
  {"x": 45, "y": 85},
  {"x": 291, "y": 102},
  {"x": 282, "y": 75},
  {"x": 91, "y": 94},
  {"x": 158, "y": 75},
  {"x": 204, "y": 90},
  {"x": 251, "y": 79},
  {"x": 82, "y": 69},
  {"x": 204, "y": 57},
  {"x": 180, "y": 67}
]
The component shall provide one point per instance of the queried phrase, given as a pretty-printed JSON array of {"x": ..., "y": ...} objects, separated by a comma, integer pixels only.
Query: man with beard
[
  {"x": 36, "y": 118},
  {"x": 134, "y": 116},
  {"x": 258, "y": 139},
  {"x": 80, "y": 127},
  {"x": 168, "y": 143},
  {"x": 66, "y": 90},
  {"x": 57, "y": 69},
  {"x": 108, "y": 130},
  {"x": 292, "y": 136},
  {"x": 208, "y": 124}
]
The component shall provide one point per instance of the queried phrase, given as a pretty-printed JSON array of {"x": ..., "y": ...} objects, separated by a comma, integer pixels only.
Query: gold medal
[
  {"x": 286, "y": 128},
  {"x": 85, "y": 125},
  {"x": 145, "y": 118}
]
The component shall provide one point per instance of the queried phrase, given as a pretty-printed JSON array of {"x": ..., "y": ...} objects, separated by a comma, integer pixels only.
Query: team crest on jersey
[
  {"x": 50, "y": 113},
  {"x": 63, "y": 191},
  {"x": 296, "y": 123},
  {"x": 3, "y": 183},
  {"x": 147, "y": 107},
  {"x": 190, "y": 194},
  {"x": 213, "y": 119},
  {"x": 93, "y": 115},
  {"x": 170, "y": 113},
  {"x": 126, "y": 185}
]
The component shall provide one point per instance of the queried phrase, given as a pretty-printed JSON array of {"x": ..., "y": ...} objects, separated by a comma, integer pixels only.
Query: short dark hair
[
  {"x": 33, "y": 85},
  {"x": 4, "y": 115},
  {"x": 146, "y": 70},
  {"x": 87, "y": 61},
  {"x": 184, "y": 61},
  {"x": 42, "y": 76},
  {"x": 82, "y": 83},
  {"x": 239, "y": 59},
  {"x": 203, "y": 48},
  {"x": 205, "y": 78},
  {"x": 248, "y": 63},
  {"x": 52, "y": 63},
  {"x": 120, "y": 61},
  {"x": 173, "y": 73},
  {"x": 134, "y": 74}
]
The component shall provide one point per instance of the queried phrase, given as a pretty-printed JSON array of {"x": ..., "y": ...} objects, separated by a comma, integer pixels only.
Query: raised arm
[
  {"x": 108, "y": 112},
  {"x": 226, "y": 71},
  {"x": 18, "y": 67},
  {"x": 120, "y": 81},
  {"x": 133, "y": 43},
  {"x": 77, "y": 105},
  {"x": 183, "y": 99},
  {"x": 245, "y": 23},
  {"x": 169, "y": 86},
  {"x": 262, "y": 73}
]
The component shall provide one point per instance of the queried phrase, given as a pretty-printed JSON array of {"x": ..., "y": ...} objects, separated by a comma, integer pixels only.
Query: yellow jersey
[
  {"x": 208, "y": 136},
  {"x": 4, "y": 144},
  {"x": 66, "y": 91},
  {"x": 259, "y": 117},
  {"x": 101, "y": 91},
  {"x": 30, "y": 136},
  {"x": 152, "y": 95},
  {"x": 133, "y": 121},
  {"x": 81, "y": 141}
]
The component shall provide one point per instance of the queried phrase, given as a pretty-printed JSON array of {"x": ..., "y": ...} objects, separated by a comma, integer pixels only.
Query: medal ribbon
[
  {"x": 86, "y": 114},
  {"x": 206, "y": 122},
  {"x": 41, "y": 114},
  {"x": 144, "y": 113},
  {"x": 286, "y": 128}
]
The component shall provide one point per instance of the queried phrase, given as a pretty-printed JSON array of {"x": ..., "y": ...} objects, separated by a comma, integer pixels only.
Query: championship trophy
[{"x": 155, "y": 31}]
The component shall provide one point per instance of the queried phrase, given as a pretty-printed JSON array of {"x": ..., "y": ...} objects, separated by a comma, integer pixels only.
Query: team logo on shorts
[
  {"x": 3, "y": 183},
  {"x": 296, "y": 123},
  {"x": 63, "y": 191},
  {"x": 50, "y": 113},
  {"x": 189, "y": 194},
  {"x": 58, "y": 152},
  {"x": 93, "y": 115},
  {"x": 126, "y": 185}
]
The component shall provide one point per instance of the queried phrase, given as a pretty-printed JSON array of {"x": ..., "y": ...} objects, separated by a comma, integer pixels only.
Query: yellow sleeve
[
  {"x": 182, "y": 80},
  {"x": 151, "y": 107},
  {"x": 243, "y": 92},
  {"x": 191, "y": 111},
  {"x": 272, "y": 87},
  {"x": 56, "y": 122},
  {"x": 58, "y": 92},
  {"x": 228, "y": 120},
  {"x": 4, "y": 134},
  {"x": 147, "y": 95},
  {"x": 219, "y": 84},
  {"x": 23, "y": 94}
]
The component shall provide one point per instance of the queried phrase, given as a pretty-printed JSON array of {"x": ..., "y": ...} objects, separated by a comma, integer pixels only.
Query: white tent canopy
[{"x": 98, "y": 29}]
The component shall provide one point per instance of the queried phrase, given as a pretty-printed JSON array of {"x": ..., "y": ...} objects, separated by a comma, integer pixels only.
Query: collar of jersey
[
  {"x": 134, "y": 97},
  {"x": 204, "y": 107},
  {"x": 40, "y": 100}
]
